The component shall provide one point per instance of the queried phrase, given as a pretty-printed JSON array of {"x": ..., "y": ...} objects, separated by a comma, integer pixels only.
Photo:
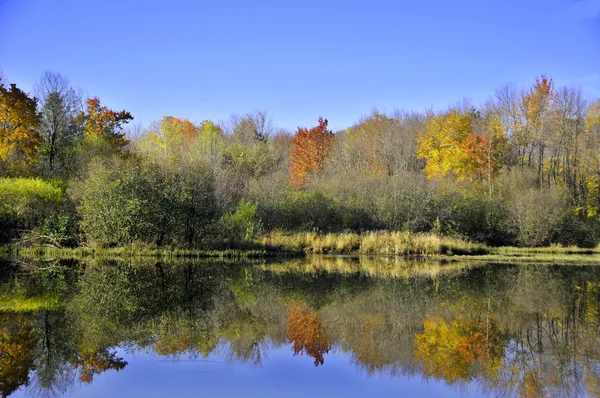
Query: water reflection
[{"x": 512, "y": 330}]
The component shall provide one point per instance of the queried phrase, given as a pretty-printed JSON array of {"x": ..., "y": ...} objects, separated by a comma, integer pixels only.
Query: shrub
[
  {"x": 241, "y": 224},
  {"x": 25, "y": 203}
]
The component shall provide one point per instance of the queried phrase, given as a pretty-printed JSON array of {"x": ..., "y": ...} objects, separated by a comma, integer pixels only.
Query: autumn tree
[
  {"x": 19, "y": 138},
  {"x": 309, "y": 150},
  {"x": 590, "y": 160},
  {"x": 451, "y": 144},
  {"x": 535, "y": 104},
  {"x": 102, "y": 123}
]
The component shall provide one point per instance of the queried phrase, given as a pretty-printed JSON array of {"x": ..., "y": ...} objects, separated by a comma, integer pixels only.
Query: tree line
[{"x": 523, "y": 168}]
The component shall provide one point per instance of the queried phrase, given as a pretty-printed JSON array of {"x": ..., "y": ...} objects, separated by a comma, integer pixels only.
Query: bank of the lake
[{"x": 281, "y": 245}]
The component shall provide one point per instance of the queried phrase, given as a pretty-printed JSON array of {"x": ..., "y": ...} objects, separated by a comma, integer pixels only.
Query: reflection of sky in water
[
  {"x": 280, "y": 374},
  {"x": 509, "y": 330}
]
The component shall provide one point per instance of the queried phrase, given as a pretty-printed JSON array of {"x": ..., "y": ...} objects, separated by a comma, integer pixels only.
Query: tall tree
[
  {"x": 309, "y": 150},
  {"x": 19, "y": 138},
  {"x": 59, "y": 106}
]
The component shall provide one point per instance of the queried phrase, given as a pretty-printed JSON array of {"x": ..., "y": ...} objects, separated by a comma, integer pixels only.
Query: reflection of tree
[
  {"x": 93, "y": 363},
  {"x": 542, "y": 337},
  {"x": 53, "y": 374},
  {"x": 450, "y": 351},
  {"x": 16, "y": 344},
  {"x": 306, "y": 332}
]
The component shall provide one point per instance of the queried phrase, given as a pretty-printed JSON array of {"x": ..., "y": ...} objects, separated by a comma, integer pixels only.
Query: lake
[{"x": 320, "y": 326}]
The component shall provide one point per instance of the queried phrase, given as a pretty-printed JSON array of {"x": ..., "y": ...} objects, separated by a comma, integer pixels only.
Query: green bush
[
  {"x": 25, "y": 203},
  {"x": 128, "y": 201},
  {"x": 241, "y": 225}
]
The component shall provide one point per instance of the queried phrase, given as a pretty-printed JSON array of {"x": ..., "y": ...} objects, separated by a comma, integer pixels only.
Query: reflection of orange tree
[
  {"x": 305, "y": 330},
  {"x": 92, "y": 363},
  {"x": 16, "y": 344},
  {"x": 450, "y": 351}
]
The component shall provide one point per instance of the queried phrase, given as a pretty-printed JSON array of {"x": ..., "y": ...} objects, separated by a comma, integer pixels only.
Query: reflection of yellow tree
[
  {"x": 450, "y": 351},
  {"x": 92, "y": 363},
  {"x": 16, "y": 344},
  {"x": 305, "y": 330}
]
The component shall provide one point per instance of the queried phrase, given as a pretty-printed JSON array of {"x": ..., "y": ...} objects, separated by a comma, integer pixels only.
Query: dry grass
[{"x": 380, "y": 243}]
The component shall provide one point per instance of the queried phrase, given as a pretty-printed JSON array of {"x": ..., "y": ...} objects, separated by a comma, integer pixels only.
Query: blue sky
[{"x": 298, "y": 59}]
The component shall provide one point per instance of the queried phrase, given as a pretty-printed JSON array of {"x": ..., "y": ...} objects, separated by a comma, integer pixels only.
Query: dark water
[{"x": 321, "y": 327}]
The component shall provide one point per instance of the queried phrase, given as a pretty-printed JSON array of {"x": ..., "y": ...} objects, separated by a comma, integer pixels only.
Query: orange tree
[{"x": 309, "y": 150}]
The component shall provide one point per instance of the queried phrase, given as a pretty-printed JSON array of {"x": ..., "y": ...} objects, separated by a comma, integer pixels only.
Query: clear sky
[{"x": 298, "y": 59}]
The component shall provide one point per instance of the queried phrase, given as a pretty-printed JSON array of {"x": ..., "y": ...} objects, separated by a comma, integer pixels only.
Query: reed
[{"x": 374, "y": 243}]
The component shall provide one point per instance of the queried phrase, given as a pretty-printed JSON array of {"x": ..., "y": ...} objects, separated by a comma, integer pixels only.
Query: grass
[
  {"x": 554, "y": 249},
  {"x": 276, "y": 245},
  {"x": 29, "y": 304},
  {"x": 380, "y": 243}
]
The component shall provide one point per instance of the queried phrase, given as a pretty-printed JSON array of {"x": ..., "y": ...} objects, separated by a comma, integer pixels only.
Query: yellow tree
[
  {"x": 440, "y": 144},
  {"x": 19, "y": 138},
  {"x": 530, "y": 135},
  {"x": 450, "y": 145},
  {"x": 590, "y": 153}
]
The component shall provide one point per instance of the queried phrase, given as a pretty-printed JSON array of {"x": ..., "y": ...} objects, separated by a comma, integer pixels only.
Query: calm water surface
[{"x": 318, "y": 326}]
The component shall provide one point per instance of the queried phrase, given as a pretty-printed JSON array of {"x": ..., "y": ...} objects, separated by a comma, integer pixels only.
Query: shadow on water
[{"x": 511, "y": 330}]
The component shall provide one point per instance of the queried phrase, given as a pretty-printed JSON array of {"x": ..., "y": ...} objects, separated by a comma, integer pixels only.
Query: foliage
[
  {"x": 450, "y": 144},
  {"x": 305, "y": 330},
  {"x": 450, "y": 351},
  {"x": 143, "y": 202},
  {"x": 94, "y": 363},
  {"x": 309, "y": 150},
  {"x": 17, "y": 341},
  {"x": 99, "y": 122},
  {"x": 19, "y": 138},
  {"x": 521, "y": 169},
  {"x": 25, "y": 203},
  {"x": 241, "y": 225}
]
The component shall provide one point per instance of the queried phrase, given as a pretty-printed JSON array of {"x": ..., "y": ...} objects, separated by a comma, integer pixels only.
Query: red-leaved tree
[{"x": 309, "y": 150}]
